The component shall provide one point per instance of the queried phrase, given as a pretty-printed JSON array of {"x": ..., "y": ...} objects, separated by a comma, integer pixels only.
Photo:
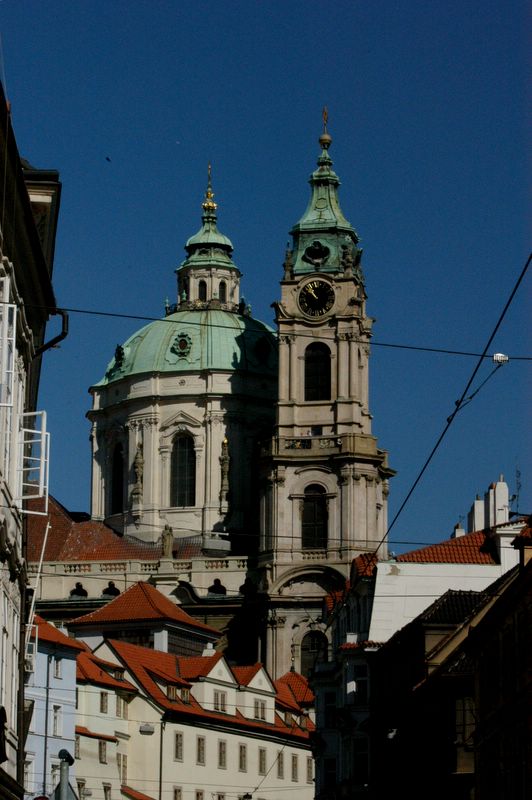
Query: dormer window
[
  {"x": 185, "y": 695},
  {"x": 259, "y": 709},
  {"x": 172, "y": 692},
  {"x": 220, "y": 701}
]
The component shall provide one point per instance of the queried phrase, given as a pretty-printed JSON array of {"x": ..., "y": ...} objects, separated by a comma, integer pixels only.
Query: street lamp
[{"x": 66, "y": 762}]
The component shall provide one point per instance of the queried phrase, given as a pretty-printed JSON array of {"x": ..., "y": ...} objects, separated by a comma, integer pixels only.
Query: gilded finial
[
  {"x": 208, "y": 205},
  {"x": 325, "y": 138}
]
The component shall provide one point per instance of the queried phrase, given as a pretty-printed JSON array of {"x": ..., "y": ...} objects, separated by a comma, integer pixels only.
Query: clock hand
[{"x": 312, "y": 292}]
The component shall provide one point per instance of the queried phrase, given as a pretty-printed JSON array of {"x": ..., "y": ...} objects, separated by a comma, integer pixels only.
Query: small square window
[{"x": 103, "y": 702}]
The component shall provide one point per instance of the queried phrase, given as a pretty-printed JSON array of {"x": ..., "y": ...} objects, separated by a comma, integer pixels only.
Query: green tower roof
[
  {"x": 324, "y": 241},
  {"x": 208, "y": 245}
]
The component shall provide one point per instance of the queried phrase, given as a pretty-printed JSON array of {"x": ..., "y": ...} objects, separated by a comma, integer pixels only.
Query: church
[{"x": 233, "y": 465}]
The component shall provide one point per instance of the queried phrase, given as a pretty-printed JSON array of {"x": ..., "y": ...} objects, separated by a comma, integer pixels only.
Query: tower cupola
[
  {"x": 323, "y": 239},
  {"x": 208, "y": 276}
]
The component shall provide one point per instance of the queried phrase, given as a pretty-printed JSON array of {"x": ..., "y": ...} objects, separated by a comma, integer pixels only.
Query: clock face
[{"x": 316, "y": 298}]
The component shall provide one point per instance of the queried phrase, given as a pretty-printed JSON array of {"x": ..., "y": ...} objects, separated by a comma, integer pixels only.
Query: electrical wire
[
  {"x": 209, "y": 324},
  {"x": 459, "y": 403}
]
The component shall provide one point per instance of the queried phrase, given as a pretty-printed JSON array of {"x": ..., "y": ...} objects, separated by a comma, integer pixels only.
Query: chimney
[
  {"x": 457, "y": 531},
  {"x": 208, "y": 649}
]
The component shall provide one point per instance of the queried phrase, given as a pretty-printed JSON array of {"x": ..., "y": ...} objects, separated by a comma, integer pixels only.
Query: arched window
[
  {"x": 222, "y": 292},
  {"x": 117, "y": 480},
  {"x": 315, "y": 518},
  {"x": 183, "y": 473},
  {"x": 317, "y": 372},
  {"x": 202, "y": 291},
  {"x": 313, "y": 650}
]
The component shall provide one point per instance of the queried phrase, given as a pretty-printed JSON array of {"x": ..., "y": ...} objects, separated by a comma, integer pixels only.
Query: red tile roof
[
  {"x": 299, "y": 687},
  {"x": 244, "y": 675},
  {"x": 285, "y": 697},
  {"x": 141, "y": 602},
  {"x": 46, "y": 632},
  {"x": 90, "y": 669},
  {"x": 364, "y": 565},
  {"x": 525, "y": 533},
  {"x": 472, "y": 548},
  {"x": 359, "y": 645},
  {"x": 147, "y": 666},
  {"x": 81, "y": 730},
  {"x": 194, "y": 667},
  {"x": 134, "y": 794},
  {"x": 70, "y": 540}
]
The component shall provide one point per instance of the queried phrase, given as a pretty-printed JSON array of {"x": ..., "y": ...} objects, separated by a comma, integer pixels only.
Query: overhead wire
[
  {"x": 210, "y": 324},
  {"x": 458, "y": 403}
]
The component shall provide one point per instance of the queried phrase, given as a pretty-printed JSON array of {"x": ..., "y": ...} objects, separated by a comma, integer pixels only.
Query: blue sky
[{"x": 427, "y": 110}]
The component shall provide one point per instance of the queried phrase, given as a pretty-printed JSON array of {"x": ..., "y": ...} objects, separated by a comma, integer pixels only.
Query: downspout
[
  {"x": 46, "y": 709},
  {"x": 59, "y": 338}
]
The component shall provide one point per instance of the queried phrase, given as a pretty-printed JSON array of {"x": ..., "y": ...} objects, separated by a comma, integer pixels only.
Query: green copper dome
[{"x": 196, "y": 340}]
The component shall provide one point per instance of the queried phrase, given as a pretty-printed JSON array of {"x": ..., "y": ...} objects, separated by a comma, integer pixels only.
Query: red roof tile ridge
[
  {"x": 471, "y": 548},
  {"x": 299, "y": 686},
  {"x": 134, "y": 794},
  {"x": 190, "y": 667},
  {"x": 244, "y": 674},
  {"x": 82, "y": 730},
  {"x": 47, "y": 632}
]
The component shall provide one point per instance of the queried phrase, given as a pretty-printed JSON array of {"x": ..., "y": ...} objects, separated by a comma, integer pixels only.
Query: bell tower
[{"x": 325, "y": 480}]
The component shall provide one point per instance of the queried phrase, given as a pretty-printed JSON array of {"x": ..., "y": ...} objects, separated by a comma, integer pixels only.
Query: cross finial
[{"x": 325, "y": 115}]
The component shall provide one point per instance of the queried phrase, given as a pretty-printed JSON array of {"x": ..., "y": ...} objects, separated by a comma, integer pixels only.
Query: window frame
[
  {"x": 242, "y": 757},
  {"x": 183, "y": 471},
  {"x": 294, "y": 768},
  {"x": 317, "y": 373},
  {"x": 178, "y": 746},
  {"x": 222, "y": 753},
  {"x": 201, "y": 751},
  {"x": 262, "y": 759},
  {"x": 314, "y": 518}
]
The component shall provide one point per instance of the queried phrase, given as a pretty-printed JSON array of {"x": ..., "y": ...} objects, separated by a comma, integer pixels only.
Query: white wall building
[{"x": 156, "y": 725}]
